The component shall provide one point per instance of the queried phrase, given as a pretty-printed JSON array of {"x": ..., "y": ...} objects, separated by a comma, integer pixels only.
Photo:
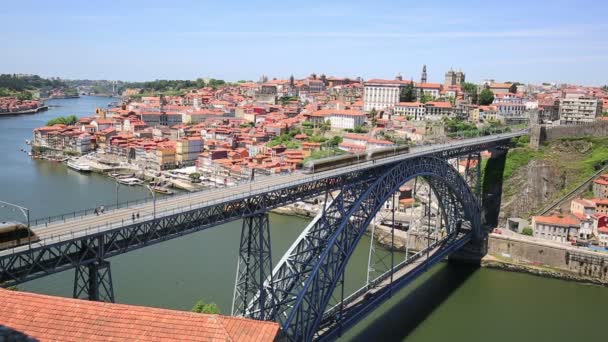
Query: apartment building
[{"x": 579, "y": 109}]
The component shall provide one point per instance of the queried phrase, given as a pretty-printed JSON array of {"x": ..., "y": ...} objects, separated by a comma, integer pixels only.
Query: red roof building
[{"x": 49, "y": 318}]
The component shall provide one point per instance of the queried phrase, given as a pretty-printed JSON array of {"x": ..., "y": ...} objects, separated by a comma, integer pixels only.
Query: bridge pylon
[
  {"x": 93, "y": 281},
  {"x": 253, "y": 269}
]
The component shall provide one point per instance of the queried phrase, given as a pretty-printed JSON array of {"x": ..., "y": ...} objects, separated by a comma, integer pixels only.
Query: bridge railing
[{"x": 255, "y": 188}]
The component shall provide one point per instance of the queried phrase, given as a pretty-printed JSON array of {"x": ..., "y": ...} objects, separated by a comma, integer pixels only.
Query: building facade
[
  {"x": 381, "y": 94},
  {"x": 575, "y": 110},
  {"x": 560, "y": 228}
]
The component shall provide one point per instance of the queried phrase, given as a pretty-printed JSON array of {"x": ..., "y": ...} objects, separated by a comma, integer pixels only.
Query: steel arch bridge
[{"x": 297, "y": 292}]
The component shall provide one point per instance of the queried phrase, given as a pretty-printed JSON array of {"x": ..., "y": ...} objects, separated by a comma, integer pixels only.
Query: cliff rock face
[
  {"x": 545, "y": 178},
  {"x": 530, "y": 189}
]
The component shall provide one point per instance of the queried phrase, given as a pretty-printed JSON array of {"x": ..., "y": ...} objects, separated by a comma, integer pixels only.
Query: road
[{"x": 84, "y": 225}]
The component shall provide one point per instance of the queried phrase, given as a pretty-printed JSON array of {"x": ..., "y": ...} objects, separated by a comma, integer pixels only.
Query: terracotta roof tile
[{"x": 50, "y": 318}]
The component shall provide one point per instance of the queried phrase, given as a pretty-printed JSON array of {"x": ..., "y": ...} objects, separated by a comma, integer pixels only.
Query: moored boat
[
  {"x": 78, "y": 165},
  {"x": 161, "y": 190},
  {"x": 130, "y": 181}
]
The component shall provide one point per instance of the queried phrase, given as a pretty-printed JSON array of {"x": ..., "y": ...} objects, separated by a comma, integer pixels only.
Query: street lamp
[
  {"x": 117, "y": 185},
  {"x": 26, "y": 212},
  {"x": 153, "y": 200}
]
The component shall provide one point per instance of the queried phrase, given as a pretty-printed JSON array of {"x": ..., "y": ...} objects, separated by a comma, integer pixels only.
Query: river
[{"x": 446, "y": 303}]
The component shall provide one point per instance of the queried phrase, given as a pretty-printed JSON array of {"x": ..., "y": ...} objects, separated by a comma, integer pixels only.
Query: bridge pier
[
  {"x": 253, "y": 269},
  {"x": 93, "y": 281},
  {"x": 490, "y": 198}
]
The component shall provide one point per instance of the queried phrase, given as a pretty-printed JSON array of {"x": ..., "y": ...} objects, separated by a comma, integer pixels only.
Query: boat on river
[
  {"x": 161, "y": 190},
  {"x": 130, "y": 181},
  {"x": 78, "y": 165}
]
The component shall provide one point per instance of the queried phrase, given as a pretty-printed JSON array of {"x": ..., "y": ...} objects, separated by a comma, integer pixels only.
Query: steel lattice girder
[
  {"x": 253, "y": 269},
  {"x": 56, "y": 257},
  {"x": 93, "y": 281},
  {"x": 303, "y": 285}
]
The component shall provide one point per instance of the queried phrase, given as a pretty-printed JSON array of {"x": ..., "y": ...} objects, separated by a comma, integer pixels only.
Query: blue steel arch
[{"x": 303, "y": 296}]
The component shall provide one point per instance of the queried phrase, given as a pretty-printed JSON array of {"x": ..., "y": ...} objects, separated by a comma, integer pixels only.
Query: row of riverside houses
[
  {"x": 11, "y": 104},
  {"x": 274, "y": 125}
]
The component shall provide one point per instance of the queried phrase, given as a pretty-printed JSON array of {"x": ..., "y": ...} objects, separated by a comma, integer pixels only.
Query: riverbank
[
  {"x": 545, "y": 258},
  {"x": 508, "y": 253},
  {"x": 494, "y": 262},
  {"x": 28, "y": 111}
]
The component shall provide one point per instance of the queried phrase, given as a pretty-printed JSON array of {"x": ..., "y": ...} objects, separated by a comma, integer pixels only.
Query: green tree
[
  {"x": 513, "y": 88},
  {"x": 195, "y": 177},
  {"x": 527, "y": 231},
  {"x": 335, "y": 141},
  {"x": 67, "y": 120},
  {"x": 24, "y": 95},
  {"x": 470, "y": 90},
  {"x": 206, "y": 308},
  {"x": 359, "y": 129},
  {"x": 407, "y": 93},
  {"x": 486, "y": 97},
  {"x": 424, "y": 98}
]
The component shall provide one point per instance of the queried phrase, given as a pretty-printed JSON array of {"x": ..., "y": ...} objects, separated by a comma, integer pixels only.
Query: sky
[{"x": 525, "y": 41}]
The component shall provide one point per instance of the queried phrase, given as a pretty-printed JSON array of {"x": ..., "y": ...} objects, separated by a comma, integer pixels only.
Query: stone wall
[
  {"x": 542, "y": 133},
  {"x": 569, "y": 259}
]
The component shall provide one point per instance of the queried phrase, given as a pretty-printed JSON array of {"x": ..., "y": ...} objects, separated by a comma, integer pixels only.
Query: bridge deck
[{"x": 78, "y": 227}]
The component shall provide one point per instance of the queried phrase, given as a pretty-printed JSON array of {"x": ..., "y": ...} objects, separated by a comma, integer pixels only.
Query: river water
[{"x": 448, "y": 302}]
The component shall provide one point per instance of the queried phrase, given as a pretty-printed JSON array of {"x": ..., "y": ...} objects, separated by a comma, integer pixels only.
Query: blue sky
[{"x": 528, "y": 41}]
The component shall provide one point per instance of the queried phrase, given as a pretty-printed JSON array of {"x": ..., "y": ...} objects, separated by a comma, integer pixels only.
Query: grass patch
[
  {"x": 324, "y": 153},
  {"x": 519, "y": 157}
]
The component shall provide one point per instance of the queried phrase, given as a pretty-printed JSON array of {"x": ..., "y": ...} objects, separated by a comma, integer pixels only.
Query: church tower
[
  {"x": 423, "y": 77},
  {"x": 450, "y": 78}
]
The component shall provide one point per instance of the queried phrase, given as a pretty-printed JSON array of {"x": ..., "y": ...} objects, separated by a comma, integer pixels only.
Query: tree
[
  {"x": 372, "y": 115},
  {"x": 335, "y": 141},
  {"x": 25, "y": 95},
  {"x": 470, "y": 91},
  {"x": 195, "y": 177},
  {"x": 68, "y": 120},
  {"x": 486, "y": 97},
  {"x": 424, "y": 98},
  {"x": 206, "y": 308},
  {"x": 513, "y": 88},
  {"x": 407, "y": 93},
  {"x": 527, "y": 231}
]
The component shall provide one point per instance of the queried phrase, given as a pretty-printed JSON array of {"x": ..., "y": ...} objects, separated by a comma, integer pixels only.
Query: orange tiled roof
[
  {"x": 561, "y": 220},
  {"x": 50, "y": 318}
]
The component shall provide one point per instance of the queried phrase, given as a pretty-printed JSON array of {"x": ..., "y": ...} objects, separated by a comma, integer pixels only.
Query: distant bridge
[{"x": 298, "y": 291}]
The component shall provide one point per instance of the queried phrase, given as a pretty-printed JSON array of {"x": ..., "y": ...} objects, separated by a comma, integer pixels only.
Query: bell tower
[{"x": 423, "y": 77}]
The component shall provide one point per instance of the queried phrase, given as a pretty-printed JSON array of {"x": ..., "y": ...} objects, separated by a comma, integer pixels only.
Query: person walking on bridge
[{"x": 133, "y": 217}]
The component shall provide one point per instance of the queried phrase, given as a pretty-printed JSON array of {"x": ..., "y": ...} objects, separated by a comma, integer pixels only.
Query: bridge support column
[
  {"x": 253, "y": 269},
  {"x": 491, "y": 195},
  {"x": 93, "y": 281}
]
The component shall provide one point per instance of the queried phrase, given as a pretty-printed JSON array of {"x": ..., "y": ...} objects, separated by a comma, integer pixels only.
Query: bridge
[{"x": 304, "y": 291}]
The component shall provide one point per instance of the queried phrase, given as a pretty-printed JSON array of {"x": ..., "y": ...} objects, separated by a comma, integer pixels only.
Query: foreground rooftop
[{"x": 49, "y": 318}]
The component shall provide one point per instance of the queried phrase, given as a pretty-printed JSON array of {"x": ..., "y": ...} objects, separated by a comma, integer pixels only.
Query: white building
[
  {"x": 556, "y": 228},
  {"x": 380, "y": 94},
  {"x": 339, "y": 118},
  {"x": 579, "y": 109},
  {"x": 415, "y": 110}
]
